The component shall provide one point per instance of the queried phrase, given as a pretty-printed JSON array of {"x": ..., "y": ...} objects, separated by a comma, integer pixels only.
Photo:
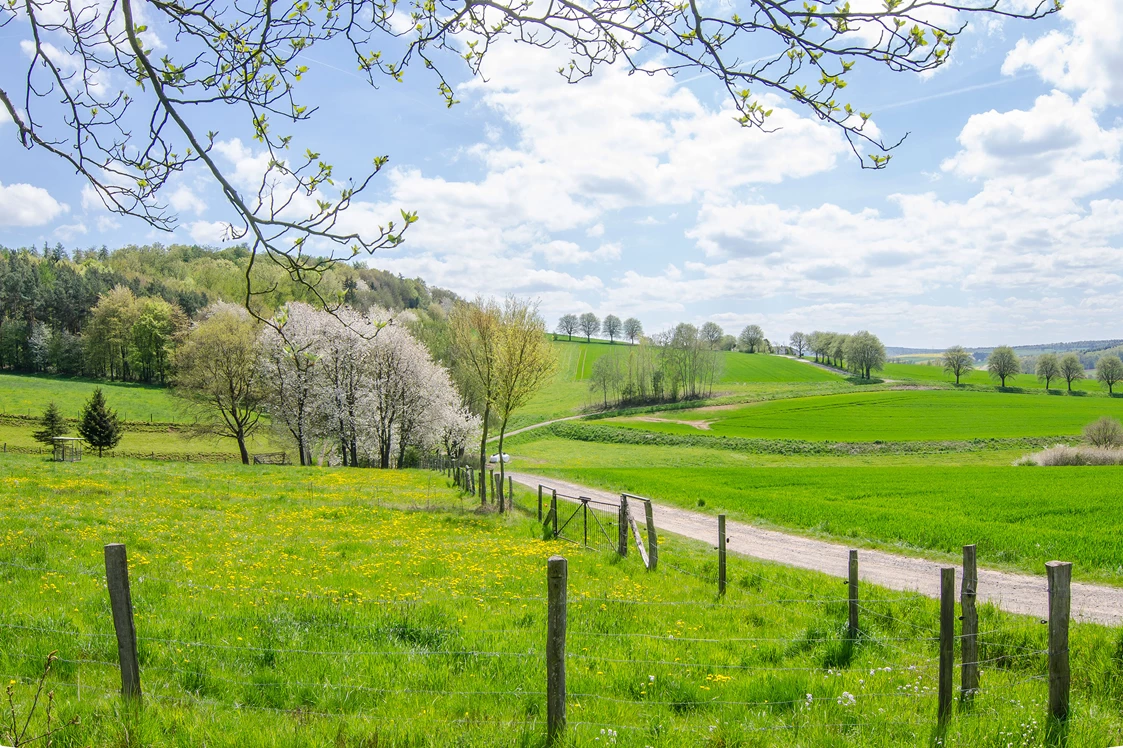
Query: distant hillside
[{"x": 1080, "y": 346}]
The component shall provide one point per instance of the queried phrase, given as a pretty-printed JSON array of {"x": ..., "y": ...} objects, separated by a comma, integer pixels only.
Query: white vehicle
[{"x": 495, "y": 458}]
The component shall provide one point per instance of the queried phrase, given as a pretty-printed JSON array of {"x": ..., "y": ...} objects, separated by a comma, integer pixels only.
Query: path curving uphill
[{"x": 1017, "y": 593}]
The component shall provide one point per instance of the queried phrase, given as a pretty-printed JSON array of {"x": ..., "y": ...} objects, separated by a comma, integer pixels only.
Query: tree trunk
[
  {"x": 483, "y": 456},
  {"x": 241, "y": 437},
  {"x": 502, "y": 467}
]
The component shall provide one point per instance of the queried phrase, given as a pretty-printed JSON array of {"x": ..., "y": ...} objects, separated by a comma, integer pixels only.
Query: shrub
[
  {"x": 1106, "y": 432},
  {"x": 1065, "y": 456}
]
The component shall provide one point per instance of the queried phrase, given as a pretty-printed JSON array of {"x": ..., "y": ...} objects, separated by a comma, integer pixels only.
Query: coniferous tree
[
  {"x": 52, "y": 425},
  {"x": 99, "y": 425}
]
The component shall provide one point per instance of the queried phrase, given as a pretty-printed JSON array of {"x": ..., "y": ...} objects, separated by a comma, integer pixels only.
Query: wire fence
[{"x": 659, "y": 670}]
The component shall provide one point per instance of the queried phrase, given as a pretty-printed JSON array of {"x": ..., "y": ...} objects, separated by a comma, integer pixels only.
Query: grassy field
[
  {"x": 746, "y": 367},
  {"x": 907, "y": 415},
  {"x": 980, "y": 377},
  {"x": 303, "y": 607},
  {"x": 537, "y": 449},
  {"x": 1020, "y": 517},
  {"x": 24, "y": 395}
]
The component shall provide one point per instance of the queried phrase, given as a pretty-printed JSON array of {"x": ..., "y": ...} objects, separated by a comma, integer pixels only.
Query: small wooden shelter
[{"x": 67, "y": 449}]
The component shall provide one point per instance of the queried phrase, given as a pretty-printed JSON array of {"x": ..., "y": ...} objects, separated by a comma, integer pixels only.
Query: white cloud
[
  {"x": 69, "y": 231},
  {"x": 183, "y": 199},
  {"x": 1057, "y": 148},
  {"x": 107, "y": 223},
  {"x": 27, "y": 205},
  {"x": 209, "y": 232},
  {"x": 1086, "y": 57}
]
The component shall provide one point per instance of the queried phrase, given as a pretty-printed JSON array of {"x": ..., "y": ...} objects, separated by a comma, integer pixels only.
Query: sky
[{"x": 998, "y": 221}]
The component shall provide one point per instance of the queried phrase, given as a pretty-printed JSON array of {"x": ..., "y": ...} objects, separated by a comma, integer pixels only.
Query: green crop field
[
  {"x": 315, "y": 607},
  {"x": 24, "y": 395},
  {"x": 907, "y": 415},
  {"x": 925, "y": 373},
  {"x": 1020, "y": 517},
  {"x": 757, "y": 367}
]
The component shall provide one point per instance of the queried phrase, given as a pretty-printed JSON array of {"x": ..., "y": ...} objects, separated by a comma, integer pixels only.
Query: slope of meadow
[
  {"x": 23, "y": 394},
  {"x": 297, "y": 607}
]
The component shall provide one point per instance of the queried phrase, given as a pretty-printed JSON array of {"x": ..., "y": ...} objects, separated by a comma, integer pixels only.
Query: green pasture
[
  {"x": 538, "y": 450},
  {"x": 903, "y": 415},
  {"x": 758, "y": 367},
  {"x": 1020, "y": 517},
  {"x": 163, "y": 443},
  {"x": 925, "y": 373},
  {"x": 315, "y": 607},
  {"x": 24, "y": 395}
]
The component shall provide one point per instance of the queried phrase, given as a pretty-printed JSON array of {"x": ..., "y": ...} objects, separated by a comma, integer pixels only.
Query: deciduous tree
[
  {"x": 711, "y": 334},
  {"x": 633, "y": 330},
  {"x": 957, "y": 362},
  {"x": 1003, "y": 364},
  {"x": 476, "y": 332},
  {"x": 612, "y": 327},
  {"x": 1109, "y": 371},
  {"x": 526, "y": 361},
  {"x": 798, "y": 342},
  {"x": 1071, "y": 369},
  {"x": 751, "y": 338},
  {"x": 1048, "y": 368},
  {"x": 568, "y": 325},
  {"x": 864, "y": 353},
  {"x": 218, "y": 374},
  {"x": 590, "y": 325}
]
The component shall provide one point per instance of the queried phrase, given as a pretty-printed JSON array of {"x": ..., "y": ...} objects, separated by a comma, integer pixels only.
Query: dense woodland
[{"x": 120, "y": 314}]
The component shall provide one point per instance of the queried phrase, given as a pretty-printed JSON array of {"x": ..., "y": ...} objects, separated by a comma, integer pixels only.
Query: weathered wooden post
[
  {"x": 969, "y": 643},
  {"x": 511, "y": 493},
  {"x": 556, "y": 581},
  {"x": 121, "y": 603},
  {"x": 539, "y": 502},
  {"x": 947, "y": 645},
  {"x": 1060, "y": 602},
  {"x": 721, "y": 554},
  {"x": 554, "y": 510},
  {"x": 622, "y": 527},
  {"x": 852, "y": 626},
  {"x": 652, "y": 538}
]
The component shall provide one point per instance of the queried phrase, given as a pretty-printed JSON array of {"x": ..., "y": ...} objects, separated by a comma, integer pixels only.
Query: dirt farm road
[{"x": 1016, "y": 593}]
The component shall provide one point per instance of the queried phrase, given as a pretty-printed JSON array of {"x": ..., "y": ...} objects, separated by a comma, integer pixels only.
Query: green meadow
[
  {"x": 335, "y": 607},
  {"x": 903, "y": 415},
  {"x": 28, "y": 395},
  {"x": 1019, "y": 517}
]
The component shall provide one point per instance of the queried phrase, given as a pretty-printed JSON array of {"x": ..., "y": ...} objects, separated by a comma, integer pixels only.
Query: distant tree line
[
  {"x": 588, "y": 324},
  {"x": 678, "y": 364},
  {"x": 860, "y": 353},
  {"x": 120, "y": 314},
  {"x": 1003, "y": 365}
]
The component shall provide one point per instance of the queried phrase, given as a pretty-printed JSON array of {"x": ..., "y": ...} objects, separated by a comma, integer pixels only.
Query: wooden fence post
[
  {"x": 969, "y": 642},
  {"x": 554, "y": 510},
  {"x": 556, "y": 581},
  {"x": 1060, "y": 600},
  {"x": 539, "y": 502},
  {"x": 121, "y": 602},
  {"x": 721, "y": 554},
  {"x": 511, "y": 493},
  {"x": 622, "y": 527},
  {"x": 947, "y": 644},
  {"x": 852, "y": 625},
  {"x": 652, "y": 538}
]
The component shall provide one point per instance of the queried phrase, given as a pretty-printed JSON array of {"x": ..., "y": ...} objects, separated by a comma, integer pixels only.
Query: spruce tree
[
  {"x": 52, "y": 425},
  {"x": 99, "y": 425}
]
